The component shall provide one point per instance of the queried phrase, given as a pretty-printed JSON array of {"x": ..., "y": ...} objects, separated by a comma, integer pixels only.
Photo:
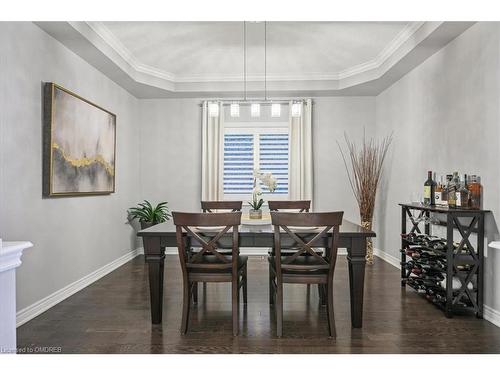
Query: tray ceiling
[
  {"x": 190, "y": 51},
  {"x": 205, "y": 59}
]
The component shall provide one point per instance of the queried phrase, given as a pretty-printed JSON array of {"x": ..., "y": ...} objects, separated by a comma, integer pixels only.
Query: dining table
[{"x": 352, "y": 237}]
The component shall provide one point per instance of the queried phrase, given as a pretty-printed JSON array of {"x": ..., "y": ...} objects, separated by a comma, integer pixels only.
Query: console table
[{"x": 464, "y": 252}]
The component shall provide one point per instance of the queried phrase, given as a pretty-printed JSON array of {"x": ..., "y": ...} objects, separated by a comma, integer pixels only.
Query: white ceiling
[
  {"x": 190, "y": 51},
  {"x": 205, "y": 59}
]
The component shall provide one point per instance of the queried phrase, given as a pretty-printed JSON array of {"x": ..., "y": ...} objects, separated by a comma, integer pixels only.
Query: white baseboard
[
  {"x": 491, "y": 315},
  {"x": 30, "y": 312},
  {"x": 392, "y": 260}
]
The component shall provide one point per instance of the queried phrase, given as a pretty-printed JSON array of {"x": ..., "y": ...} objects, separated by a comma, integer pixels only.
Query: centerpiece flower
[{"x": 270, "y": 182}]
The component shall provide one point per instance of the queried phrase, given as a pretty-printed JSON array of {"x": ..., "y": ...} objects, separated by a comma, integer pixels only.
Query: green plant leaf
[{"x": 146, "y": 212}]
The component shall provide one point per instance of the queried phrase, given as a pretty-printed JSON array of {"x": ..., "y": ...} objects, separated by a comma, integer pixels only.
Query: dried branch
[{"x": 364, "y": 170}]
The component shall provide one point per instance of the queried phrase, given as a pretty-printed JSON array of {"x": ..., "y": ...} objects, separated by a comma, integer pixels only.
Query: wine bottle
[{"x": 429, "y": 190}]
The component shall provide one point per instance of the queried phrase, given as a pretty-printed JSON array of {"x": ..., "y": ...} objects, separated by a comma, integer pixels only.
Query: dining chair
[
  {"x": 297, "y": 269},
  {"x": 301, "y": 206},
  {"x": 198, "y": 230},
  {"x": 297, "y": 206},
  {"x": 208, "y": 206},
  {"x": 220, "y": 206}
]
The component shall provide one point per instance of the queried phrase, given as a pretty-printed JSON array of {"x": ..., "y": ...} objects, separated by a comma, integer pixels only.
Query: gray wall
[
  {"x": 72, "y": 236},
  {"x": 171, "y": 150},
  {"x": 445, "y": 117}
]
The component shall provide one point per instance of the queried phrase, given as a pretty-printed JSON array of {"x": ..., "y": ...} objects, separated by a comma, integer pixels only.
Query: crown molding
[
  {"x": 388, "y": 51},
  {"x": 115, "y": 44},
  {"x": 93, "y": 42}
]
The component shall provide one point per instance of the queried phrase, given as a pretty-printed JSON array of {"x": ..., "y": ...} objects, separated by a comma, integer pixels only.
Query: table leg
[
  {"x": 356, "y": 259},
  {"x": 155, "y": 257}
]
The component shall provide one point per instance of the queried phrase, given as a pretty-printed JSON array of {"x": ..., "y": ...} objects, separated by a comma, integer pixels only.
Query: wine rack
[{"x": 448, "y": 273}]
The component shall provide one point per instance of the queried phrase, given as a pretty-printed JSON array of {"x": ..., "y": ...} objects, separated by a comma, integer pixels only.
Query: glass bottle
[
  {"x": 438, "y": 196},
  {"x": 463, "y": 194},
  {"x": 429, "y": 190},
  {"x": 475, "y": 188},
  {"x": 453, "y": 186},
  {"x": 445, "y": 189}
]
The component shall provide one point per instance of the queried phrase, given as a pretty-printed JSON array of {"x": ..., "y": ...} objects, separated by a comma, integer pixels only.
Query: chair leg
[
  {"x": 195, "y": 292},
  {"x": 271, "y": 287},
  {"x": 331, "y": 315},
  {"x": 245, "y": 284},
  {"x": 322, "y": 293},
  {"x": 235, "y": 304},
  {"x": 186, "y": 303},
  {"x": 279, "y": 308}
]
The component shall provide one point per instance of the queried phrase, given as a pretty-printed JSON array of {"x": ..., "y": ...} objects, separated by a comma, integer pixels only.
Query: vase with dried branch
[{"x": 364, "y": 167}]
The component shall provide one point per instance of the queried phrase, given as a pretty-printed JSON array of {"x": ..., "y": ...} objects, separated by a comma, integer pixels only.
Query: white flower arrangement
[{"x": 268, "y": 180}]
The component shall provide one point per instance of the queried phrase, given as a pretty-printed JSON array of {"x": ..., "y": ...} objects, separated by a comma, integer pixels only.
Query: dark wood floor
[{"x": 112, "y": 316}]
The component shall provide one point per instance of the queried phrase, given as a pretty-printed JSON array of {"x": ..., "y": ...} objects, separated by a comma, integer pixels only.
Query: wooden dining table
[{"x": 352, "y": 237}]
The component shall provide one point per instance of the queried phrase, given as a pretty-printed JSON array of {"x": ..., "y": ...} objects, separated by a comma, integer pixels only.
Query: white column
[{"x": 10, "y": 259}]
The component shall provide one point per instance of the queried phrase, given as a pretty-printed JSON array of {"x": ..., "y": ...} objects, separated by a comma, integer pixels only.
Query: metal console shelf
[{"x": 460, "y": 253}]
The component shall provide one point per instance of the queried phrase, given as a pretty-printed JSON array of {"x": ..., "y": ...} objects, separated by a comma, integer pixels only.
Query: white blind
[
  {"x": 273, "y": 158},
  {"x": 238, "y": 163}
]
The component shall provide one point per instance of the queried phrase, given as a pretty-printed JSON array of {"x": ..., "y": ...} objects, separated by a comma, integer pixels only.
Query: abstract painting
[{"x": 79, "y": 145}]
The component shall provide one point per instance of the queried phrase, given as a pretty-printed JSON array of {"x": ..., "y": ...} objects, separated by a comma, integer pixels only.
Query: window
[{"x": 249, "y": 146}]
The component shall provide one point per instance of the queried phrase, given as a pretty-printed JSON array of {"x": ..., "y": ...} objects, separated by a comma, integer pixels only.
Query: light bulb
[
  {"x": 275, "y": 110},
  {"x": 235, "y": 110},
  {"x": 255, "y": 110}
]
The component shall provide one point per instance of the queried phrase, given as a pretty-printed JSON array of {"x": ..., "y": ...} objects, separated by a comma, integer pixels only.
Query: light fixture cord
[
  {"x": 245, "y": 59},
  {"x": 265, "y": 60}
]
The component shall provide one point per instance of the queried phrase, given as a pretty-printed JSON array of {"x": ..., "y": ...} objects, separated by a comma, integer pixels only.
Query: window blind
[
  {"x": 273, "y": 158},
  {"x": 238, "y": 163}
]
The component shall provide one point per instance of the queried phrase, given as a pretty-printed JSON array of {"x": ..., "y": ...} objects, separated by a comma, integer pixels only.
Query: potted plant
[
  {"x": 270, "y": 182},
  {"x": 149, "y": 215}
]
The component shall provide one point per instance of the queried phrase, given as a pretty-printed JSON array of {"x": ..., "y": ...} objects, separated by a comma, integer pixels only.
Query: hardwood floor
[{"x": 113, "y": 316}]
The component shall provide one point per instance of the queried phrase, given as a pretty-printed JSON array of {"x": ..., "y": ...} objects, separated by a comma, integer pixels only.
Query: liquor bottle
[
  {"x": 452, "y": 190},
  {"x": 429, "y": 190},
  {"x": 445, "y": 189},
  {"x": 463, "y": 194},
  {"x": 475, "y": 191},
  {"x": 438, "y": 195}
]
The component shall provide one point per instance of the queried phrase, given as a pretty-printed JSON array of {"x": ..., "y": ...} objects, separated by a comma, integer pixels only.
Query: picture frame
[{"x": 79, "y": 145}]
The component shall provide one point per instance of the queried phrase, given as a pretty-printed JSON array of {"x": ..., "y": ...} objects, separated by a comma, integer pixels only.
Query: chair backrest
[
  {"x": 327, "y": 237},
  {"x": 301, "y": 206},
  {"x": 197, "y": 230},
  {"x": 208, "y": 206}
]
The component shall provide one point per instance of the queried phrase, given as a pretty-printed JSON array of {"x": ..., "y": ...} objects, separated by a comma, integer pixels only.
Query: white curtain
[
  {"x": 301, "y": 158},
  {"x": 212, "y": 139}
]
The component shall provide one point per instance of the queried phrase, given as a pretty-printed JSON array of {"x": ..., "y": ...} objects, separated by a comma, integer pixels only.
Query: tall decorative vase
[
  {"x": 364, "y": 172},
  {"x": 367, "y": 224}
]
